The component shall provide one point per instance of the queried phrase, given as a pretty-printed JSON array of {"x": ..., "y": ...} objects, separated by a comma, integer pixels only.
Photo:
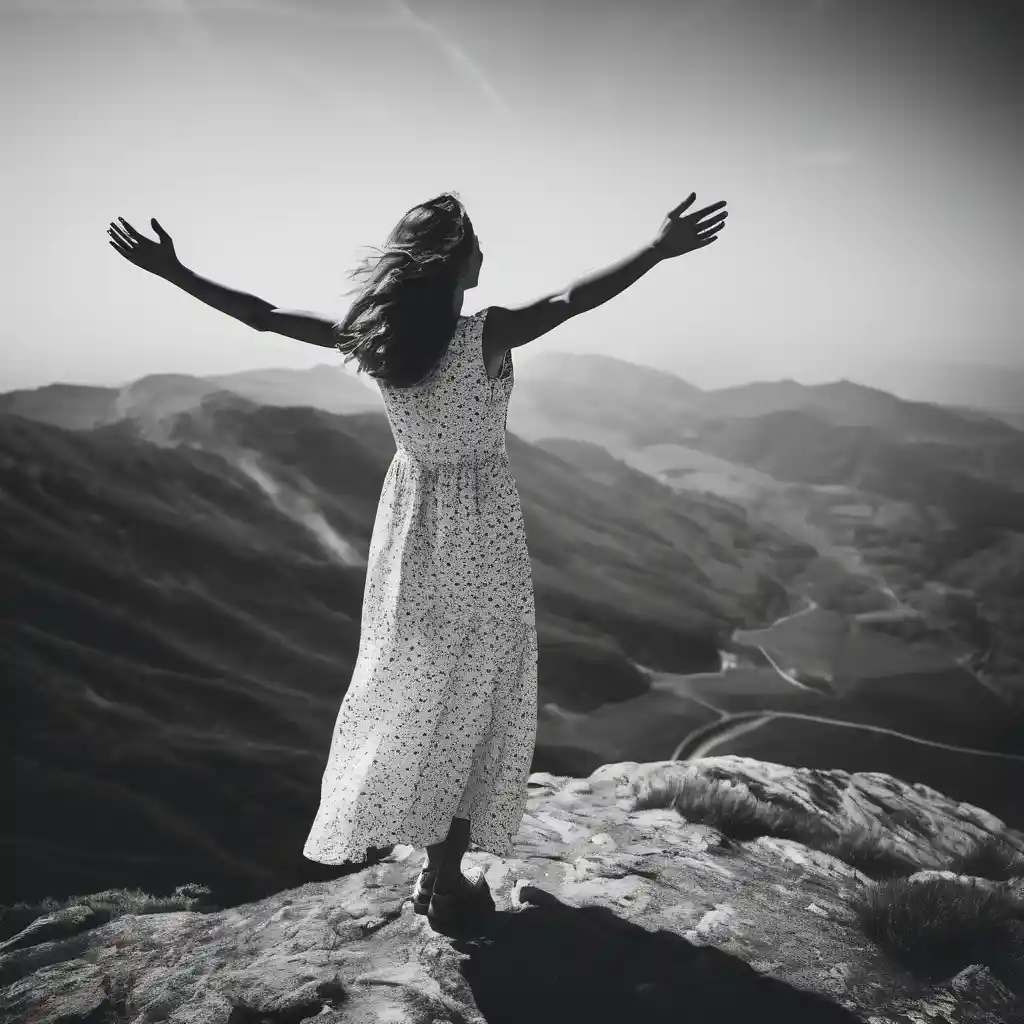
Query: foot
[
  {"x": 462, "y": 897},
  {"x": 424, "y": 889},
  {"x": 447, "y": 885}
]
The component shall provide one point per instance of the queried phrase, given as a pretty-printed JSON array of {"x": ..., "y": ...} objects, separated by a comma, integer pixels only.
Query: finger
[
  {"x": 132, "y": 233},
  {"x": 126, "y": 253},
  {"x": 708, "y": 209},
  {"x": 118, "y": 233},
  {"x": 715, "y": 218},
  {"x": 710, "y": 227},
  {"x": 683, "y": 205},
  {"x": 158, "y": 227}
]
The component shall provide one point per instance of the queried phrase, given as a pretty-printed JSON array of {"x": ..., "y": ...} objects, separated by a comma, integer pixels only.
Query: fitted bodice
[{"x": 458, "y": 413}]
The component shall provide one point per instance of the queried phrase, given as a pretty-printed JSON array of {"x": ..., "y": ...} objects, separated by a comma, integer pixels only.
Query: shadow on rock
[{"x": 552, "y": 962}]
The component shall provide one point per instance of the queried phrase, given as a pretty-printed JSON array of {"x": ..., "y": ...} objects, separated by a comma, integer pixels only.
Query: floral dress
[{"x": 440, "y": 716}]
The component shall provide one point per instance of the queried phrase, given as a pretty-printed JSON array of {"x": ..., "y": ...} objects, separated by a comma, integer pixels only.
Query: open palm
[
  {"x": 681, "y": 234},
  {"x": 157, "y": 257}
]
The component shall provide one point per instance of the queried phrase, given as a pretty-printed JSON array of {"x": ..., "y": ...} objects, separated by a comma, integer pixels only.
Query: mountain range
[{"x": 188, "y": 554}]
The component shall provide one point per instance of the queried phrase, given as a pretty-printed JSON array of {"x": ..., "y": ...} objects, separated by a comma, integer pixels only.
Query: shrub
[
  {"x": 938, "y": 926},
  {"x": 737, "y": 813},
  {"x": 733, "y": 810},
  {"x": 111, "y": 903},
  {"x": 867, "y": 851},
  {"x": 17, "y": 917},
  {"x": 989, "y": 858}
]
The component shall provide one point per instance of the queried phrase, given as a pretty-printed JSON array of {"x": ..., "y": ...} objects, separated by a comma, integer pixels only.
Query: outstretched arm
[
  {"x": 257, "y": 313},
  {"x": 250, "y": 309},
  {"x": 510, "y": 327},
  {"x": 159, "y": 258}
]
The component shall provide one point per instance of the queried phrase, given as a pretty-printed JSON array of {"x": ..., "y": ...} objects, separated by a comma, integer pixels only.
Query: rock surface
[{"x": 604, "y": 914}]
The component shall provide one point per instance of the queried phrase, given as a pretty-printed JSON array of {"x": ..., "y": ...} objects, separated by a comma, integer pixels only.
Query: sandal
[
  {"x": 470, "y": 896},
  {"x": 424, "y": 890}
]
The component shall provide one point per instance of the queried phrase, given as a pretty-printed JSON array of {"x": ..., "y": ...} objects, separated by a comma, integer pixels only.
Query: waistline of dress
[{"x": 432, "y": 460}]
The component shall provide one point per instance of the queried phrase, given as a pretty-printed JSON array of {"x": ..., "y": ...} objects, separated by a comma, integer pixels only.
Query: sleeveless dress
[{"x": 440, "y": 716}]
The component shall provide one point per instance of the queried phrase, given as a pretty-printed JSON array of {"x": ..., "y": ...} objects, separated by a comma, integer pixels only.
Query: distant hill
[
  {"x": 75, "y": 406},
  {"x": 978, "y": 486},
  {"x": 612, "y": 402},
  {"x": 732, "y": 551},
  {"x": 798, "y": 445},
  {"x": 845, "y": 403},
  {"x": 888, "y": 490},
  {"x": 153, "y": 397},
  {"x": 627, "y": 406},
  {"x": 998, "y": 390},
  {"x": 327, "y": 387}
]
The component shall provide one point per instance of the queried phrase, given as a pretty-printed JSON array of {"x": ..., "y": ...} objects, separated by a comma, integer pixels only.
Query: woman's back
[{"x": 457, "y": 413}]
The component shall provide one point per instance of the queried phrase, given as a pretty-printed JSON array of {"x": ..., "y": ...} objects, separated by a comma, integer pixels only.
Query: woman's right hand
[
  {"x": 157, "y": 257},
  {"x": 681, "y": 234}
]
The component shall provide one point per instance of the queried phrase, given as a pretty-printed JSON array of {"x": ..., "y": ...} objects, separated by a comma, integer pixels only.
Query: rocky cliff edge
[{"x": 645, "y": 892}]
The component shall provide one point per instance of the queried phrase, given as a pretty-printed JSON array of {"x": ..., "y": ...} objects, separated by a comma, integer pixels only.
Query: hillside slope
[{"x": 182, "y": 620}]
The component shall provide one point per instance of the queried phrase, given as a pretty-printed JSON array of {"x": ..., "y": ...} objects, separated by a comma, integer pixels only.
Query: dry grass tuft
[
  {"x": 110, "y": 904},
  {"x": 989, "y": 858},
  {"x": 938, "y": 926},
  {"x": 740, "y": 815}
]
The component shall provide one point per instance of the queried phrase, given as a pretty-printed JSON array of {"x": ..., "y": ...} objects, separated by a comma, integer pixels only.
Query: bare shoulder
[{"x": 508, "y": 327}]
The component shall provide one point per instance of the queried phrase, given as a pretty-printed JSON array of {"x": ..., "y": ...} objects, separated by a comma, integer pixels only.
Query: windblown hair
[{"x": 401, "y": 324}]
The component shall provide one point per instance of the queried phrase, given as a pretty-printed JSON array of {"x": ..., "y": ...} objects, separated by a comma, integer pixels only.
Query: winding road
[
  {"x": 729, "y": 732},
  {"x": 701, "y": 744}
]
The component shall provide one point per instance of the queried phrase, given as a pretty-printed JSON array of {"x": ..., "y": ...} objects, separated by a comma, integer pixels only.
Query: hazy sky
[{"x": 870, "y": 152}]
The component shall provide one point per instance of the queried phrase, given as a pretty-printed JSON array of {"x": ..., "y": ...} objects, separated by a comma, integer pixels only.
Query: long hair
[{"x": 404, "y": 318}]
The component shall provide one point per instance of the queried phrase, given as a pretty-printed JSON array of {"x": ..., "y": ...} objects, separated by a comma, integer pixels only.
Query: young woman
[{"x": 433, "y": 742}]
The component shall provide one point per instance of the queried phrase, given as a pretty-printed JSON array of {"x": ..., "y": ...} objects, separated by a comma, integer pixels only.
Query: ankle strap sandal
[
  {"x": 470, "y": 897},
  {"x": 424, "y": 890}
]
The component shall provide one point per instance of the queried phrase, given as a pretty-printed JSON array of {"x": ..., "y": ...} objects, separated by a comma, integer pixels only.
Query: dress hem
[{"x": 336, "y": 860}]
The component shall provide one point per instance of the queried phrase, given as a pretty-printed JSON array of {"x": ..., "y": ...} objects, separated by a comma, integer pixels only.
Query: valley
[{"x": 934, "y": 723}]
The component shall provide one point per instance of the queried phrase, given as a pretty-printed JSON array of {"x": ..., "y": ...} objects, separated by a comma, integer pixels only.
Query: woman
[{"x": 433, "y": 742}]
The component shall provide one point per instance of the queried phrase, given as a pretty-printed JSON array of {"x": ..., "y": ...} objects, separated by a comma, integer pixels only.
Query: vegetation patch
[
  {"x": 989, "y": 858},
  {"x": 110, "y": 904},
  {"x": 732, "y": 809},
  {"x": 740, "y": 815},
  {"x": 868, "y": 851},
  {"x": 938, "y": 926}
]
